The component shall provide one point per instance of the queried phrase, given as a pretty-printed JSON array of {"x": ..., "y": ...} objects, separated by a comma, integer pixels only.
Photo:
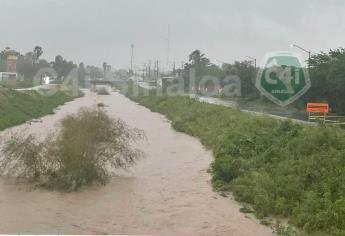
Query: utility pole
[
  {"x": 168, "y": 54},
  {"x": 156, "y": 70},
  {"x": 143, "y": 72},
  {"x": 255, "y": 74},
  {"x": 132, "y": 53}
]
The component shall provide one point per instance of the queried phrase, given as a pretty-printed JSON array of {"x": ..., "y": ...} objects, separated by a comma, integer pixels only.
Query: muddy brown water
[{"x": 167, "y": 193}]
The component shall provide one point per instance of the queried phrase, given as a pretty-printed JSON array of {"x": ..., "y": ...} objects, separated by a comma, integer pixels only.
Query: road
[
  {"x": 167, "y": 193},
  {"x": 233, "y": 104}
]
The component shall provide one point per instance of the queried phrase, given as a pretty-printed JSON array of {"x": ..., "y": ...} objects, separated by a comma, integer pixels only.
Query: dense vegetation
[
  {"x": 30, "y": 63},
  {"x": 202, "y": 66},
  {"x": 327, "y": 77},
  {"x": 280, "y": 168},
  {"x": 326, "y": 72},
  {"x": 78, "y": 154},
  {"x": 14, "y": 84},
  {"x": 17, "y": 107}
]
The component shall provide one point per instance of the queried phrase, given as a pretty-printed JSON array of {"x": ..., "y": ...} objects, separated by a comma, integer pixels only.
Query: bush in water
[{"x": 82, "y": 152}]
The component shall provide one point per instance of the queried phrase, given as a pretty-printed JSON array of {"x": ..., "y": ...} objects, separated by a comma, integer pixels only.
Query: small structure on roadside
[
  {"x": 11, "y": 57},
  {"x": 11, "y": 62},
  {"x": 171, "y": 83}
]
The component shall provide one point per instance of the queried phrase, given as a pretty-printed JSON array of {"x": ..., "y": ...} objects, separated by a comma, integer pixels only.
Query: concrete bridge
[{"x": 92, "y": 83}]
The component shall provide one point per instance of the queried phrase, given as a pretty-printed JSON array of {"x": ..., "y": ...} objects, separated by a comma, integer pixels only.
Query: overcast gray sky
[{"x": 94, "y": 31}]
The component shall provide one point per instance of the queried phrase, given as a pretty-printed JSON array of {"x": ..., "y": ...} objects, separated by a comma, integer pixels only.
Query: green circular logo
[{"x": 283, "y": 77}]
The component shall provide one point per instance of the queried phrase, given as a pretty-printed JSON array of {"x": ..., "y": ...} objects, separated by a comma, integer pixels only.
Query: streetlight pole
[
  {"x": 305, "y": 50},
  {"x": 255, "y": 66}
]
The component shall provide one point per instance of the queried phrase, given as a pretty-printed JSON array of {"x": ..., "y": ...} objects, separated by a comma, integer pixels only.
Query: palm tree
[
  {"x": 105, "y": 65},
  {"x": 196, "y": 58},
  {"x": 37, "y": 52}
]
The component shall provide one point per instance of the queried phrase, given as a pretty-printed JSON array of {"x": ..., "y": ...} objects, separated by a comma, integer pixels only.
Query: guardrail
[{"x": 326, "y": 119}]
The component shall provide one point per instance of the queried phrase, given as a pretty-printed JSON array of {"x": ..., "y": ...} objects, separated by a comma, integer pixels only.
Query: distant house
[
  {"x": 167, "y": 81},
  {"x": 11, "y": 62},
  {"x": 11, "y": 65}
]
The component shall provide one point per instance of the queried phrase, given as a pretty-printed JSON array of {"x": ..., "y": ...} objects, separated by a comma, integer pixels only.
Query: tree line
[
  {"x": 326, "y": 69},
  {"x": 28, "y": 64}
]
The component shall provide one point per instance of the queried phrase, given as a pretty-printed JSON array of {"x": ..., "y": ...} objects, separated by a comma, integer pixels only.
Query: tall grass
[
  {"x": 281, "y": 168},
  {"x": 13, "y": 84},
  {"x": 17, "y": 107}
]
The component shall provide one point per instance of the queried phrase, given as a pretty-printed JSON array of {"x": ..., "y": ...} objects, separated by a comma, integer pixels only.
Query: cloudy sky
[{"x": 94, "y": 31}]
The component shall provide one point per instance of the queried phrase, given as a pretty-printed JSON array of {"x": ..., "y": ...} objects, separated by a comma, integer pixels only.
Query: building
[{"x": 11, "y": 64}]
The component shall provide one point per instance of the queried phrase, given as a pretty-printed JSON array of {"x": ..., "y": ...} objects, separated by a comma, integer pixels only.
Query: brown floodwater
[{"x": 167, "y": 193}]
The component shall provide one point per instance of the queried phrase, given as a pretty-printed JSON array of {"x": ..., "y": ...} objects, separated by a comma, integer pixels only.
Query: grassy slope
[
  {"x": 13, "y": 84},
  {"x": 18, "y": 107},
  {"x": 280, "y": 168}
]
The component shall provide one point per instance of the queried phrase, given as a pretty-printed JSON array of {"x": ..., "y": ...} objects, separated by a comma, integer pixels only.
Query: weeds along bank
[
  {"x": 17, "y": 107},
  {"x": 281, "y": 168}
]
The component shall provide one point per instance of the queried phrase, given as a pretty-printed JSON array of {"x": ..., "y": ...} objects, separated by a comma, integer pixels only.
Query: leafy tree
[
  {"x": 42, "y": 63},
  {"x": 62, "y": 67},
  {"x": 25, "y": 66},
  {"x": 201, "y": 66},
  {"x": 37, "y": 52},
  {"x": 94, "y": 72},
  {"x": 247, "y": 74},
  {"x": 2, "y": 64},
  {"x": 28, "y": 67},
  {"x": 105, "y": 65},
  {"x": 327, "y": 72}
]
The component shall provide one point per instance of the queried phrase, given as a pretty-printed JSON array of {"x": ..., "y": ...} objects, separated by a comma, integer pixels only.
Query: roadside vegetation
[
  {"x": 280, "y": 168},
  {"x": 326, "y": 73},
  {"x": 84, "y": 151},
  {"x": 14, "y": 84},
  {"x": 17, "y": 107}
]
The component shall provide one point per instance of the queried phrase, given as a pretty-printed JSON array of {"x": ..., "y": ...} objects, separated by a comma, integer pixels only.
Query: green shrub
[
  {"x": 17, "y": 107},
  {"x": 79, "y": 154},
  {"x": 13, "y": 84},
  {"x": 283, "y": 230}
]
